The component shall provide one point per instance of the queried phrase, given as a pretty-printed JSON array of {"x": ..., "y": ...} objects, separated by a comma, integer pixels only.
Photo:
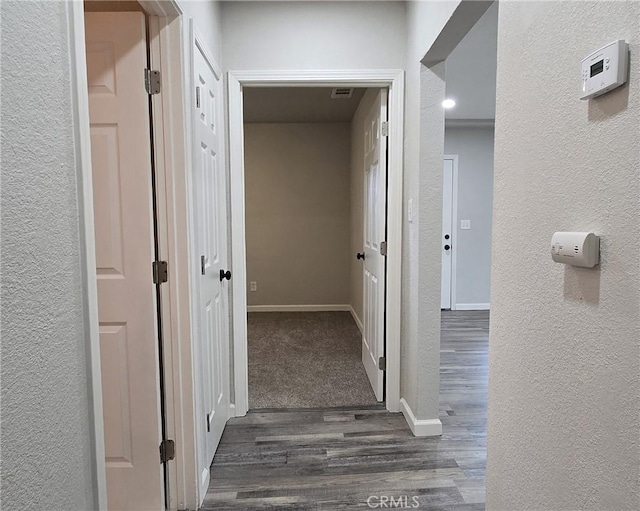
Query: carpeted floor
[{"x": 306, "y": 360}]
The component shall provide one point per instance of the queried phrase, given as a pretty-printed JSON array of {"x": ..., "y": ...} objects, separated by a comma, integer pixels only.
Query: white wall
[
  {"x": 420, "y": 355},
  {"x": 46, "y": 452},
  {"x": 313, "y": 35},
  {"x": 207, "y": 16},
  {"x": 474, "y": 147},
  {"x": 297, "y": 189},
  {"x": 564, "y": 389}
]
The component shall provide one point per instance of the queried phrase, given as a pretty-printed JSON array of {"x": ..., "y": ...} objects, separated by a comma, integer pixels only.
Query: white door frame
[
  {"x": 394, "y": 80},
  {"x": 455, "y": 229},
  {"x": 170, "y": 121}
]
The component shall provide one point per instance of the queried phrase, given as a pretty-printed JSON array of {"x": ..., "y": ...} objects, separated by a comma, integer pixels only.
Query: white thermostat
[
  {"x": 605, "y": 69},
  {"x": 576, "y": 248}
]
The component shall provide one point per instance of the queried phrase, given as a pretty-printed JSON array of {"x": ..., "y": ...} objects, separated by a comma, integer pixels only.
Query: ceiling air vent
[{"x": 341, "y": 92}]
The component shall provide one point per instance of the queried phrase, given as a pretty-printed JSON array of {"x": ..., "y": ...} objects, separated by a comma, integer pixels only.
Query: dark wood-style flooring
[{"x": 339, "y": 458}]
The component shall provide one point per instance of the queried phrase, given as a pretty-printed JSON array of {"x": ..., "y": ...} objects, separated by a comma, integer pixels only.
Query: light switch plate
[
  {"x": 465, "y": 224},
  {"x": 410, "y": 210}
]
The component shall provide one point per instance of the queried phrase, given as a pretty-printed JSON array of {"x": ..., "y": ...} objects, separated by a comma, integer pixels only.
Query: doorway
[
  {"x": 240, "y": 82},
  {"x": 316, "y": 276},
  {"x": 127, "y": 267}
]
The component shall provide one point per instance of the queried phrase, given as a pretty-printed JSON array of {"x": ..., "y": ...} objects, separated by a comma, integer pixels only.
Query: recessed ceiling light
[{"x": 448, "y": 103}]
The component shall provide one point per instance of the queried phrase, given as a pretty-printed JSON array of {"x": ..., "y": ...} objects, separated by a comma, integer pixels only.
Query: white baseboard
[
  {"x": 429, "y": 427},
  {"x": 298, "y": 308},
  {"x": 356, "y": 319},
  {"x": 473, "y": 306}
]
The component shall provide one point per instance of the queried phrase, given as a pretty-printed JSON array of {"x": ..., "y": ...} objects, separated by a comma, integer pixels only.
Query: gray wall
[
  {"x": 564, "y": 389},
  {"x": 46, "y": 453},
  {"x": 474, "y": 147},
  {"x": 297, "y": 181}
]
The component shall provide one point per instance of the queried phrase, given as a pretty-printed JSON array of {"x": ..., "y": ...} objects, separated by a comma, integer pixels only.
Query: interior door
[
  {"x": 447, "y": 233},
  {"x": 375, "y": 224},
  {"x": 121, "y": 162},
  {"x": 211, "y": 240}
]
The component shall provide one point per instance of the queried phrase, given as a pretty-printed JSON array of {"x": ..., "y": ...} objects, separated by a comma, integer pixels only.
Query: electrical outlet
[
  {"x": 253, "y": 286},
  {"x": 465, "y": 224}
]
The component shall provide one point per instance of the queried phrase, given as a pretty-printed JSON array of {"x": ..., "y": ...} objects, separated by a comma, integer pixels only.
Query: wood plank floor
[{"x": 337, "y": 458}]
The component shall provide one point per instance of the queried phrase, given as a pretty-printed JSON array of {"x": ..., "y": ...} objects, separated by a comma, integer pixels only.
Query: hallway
[{"x": 337, "y": 458}]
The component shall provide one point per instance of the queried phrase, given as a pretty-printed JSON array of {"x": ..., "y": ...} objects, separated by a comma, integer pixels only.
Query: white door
[
  {"x": 211, "y": 244},
  {"x": 447, "y": 232},
  {"x": 121, "y": 161},
  {"x": 375, "y": 224}
]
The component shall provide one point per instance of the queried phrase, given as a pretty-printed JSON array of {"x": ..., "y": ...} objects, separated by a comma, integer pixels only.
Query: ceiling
[
  {"x": 298, "y": 104},
  {"x": 471, "y": 70}
]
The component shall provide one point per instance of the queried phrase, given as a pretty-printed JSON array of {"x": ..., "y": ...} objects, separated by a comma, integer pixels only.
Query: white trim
[
  {"x": 420, "y": 427},
  {"x": 394, "y": 80},
  {"x": 473, "y": 306},
  {"x": 82, "y": 135},
  {"x": 356, "y": 319},
  {"x": 454, "y": 230},
  {"x": 299, "y": 308}
]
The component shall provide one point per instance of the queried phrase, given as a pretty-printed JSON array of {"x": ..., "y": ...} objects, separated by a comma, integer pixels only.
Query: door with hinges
[
  {"x": 116, "y": 48},
  {"x": 375, "y": 227},
  {"x": 447, "y": 232},
  {"x": 210, "y": 219}
]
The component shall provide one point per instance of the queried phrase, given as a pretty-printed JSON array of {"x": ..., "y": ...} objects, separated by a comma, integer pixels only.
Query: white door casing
[
  {"x": 210, "y": 245},
  {"x": 447, "y": 232},
  {"x": 121, "y": 161},
  {"x": 374, "y": 264}
]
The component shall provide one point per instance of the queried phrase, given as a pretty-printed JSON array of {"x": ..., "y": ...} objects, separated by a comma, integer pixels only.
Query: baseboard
[
  {"x": 473, "y": 306},
  {"x": 430, "y": 427},
  {"x": 356, "y": 319},
  {"x": 298, "y": 308}
]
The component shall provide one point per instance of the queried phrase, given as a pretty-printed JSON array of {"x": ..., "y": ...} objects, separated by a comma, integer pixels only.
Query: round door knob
[
  {"x": 360, "y": 255},
  {"x": 225, "y": 275},
  {"x": 447, "y": 247}
]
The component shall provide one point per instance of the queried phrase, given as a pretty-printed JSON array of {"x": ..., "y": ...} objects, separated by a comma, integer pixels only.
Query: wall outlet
[
  {"x": 465, "y": 224},
  {"x": 253, "y": 286}
]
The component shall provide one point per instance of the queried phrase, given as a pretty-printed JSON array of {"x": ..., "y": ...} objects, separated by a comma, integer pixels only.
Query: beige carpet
[{"x": 306, "y": 360}]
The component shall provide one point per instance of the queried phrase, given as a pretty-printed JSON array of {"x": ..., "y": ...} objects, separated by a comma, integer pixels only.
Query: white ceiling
[
  {"x": 298, "y": 104},
  {"x": 471, "y": 70}
]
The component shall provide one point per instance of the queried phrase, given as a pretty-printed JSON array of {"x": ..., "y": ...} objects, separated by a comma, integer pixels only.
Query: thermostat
[
  {"x": 605, "y": 69},
  {"x": 576, "y": 248}
]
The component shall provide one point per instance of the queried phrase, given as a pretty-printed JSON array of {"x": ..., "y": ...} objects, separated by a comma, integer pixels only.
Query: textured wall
[
  {"x": 474, "y": 147},
  {"x": 297, "y": 186},
  {"x": 357, "y": 199},
  {"x": 564, "y": 404},
  {"x": 46, "y": 459},
  {"x": 313, "y": 35},
  {"x": 420, "y": 349}
]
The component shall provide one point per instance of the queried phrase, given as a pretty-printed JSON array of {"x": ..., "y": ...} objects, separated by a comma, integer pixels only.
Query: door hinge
[
  {"x": 383, "y": 248},
  {"x": 167, "y": 451},
  {"x": 152, "y": 81},
  {"x": 382, "y": 363},
  {"x": 197, "y": 97},
  {"x": 160, "y": 272},
  {"x": 384, "y": 129}
]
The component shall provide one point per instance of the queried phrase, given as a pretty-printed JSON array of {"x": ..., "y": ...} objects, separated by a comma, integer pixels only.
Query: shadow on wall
[{"x": 582, "y": 284}]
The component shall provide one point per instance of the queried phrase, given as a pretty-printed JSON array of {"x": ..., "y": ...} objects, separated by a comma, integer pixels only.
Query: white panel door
[
  {"x": 447, "y": 233},
  {"x": 375, "y": 224},
  {"x": 121, "y": 161},
  {"x": 211, "y": 244}
]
